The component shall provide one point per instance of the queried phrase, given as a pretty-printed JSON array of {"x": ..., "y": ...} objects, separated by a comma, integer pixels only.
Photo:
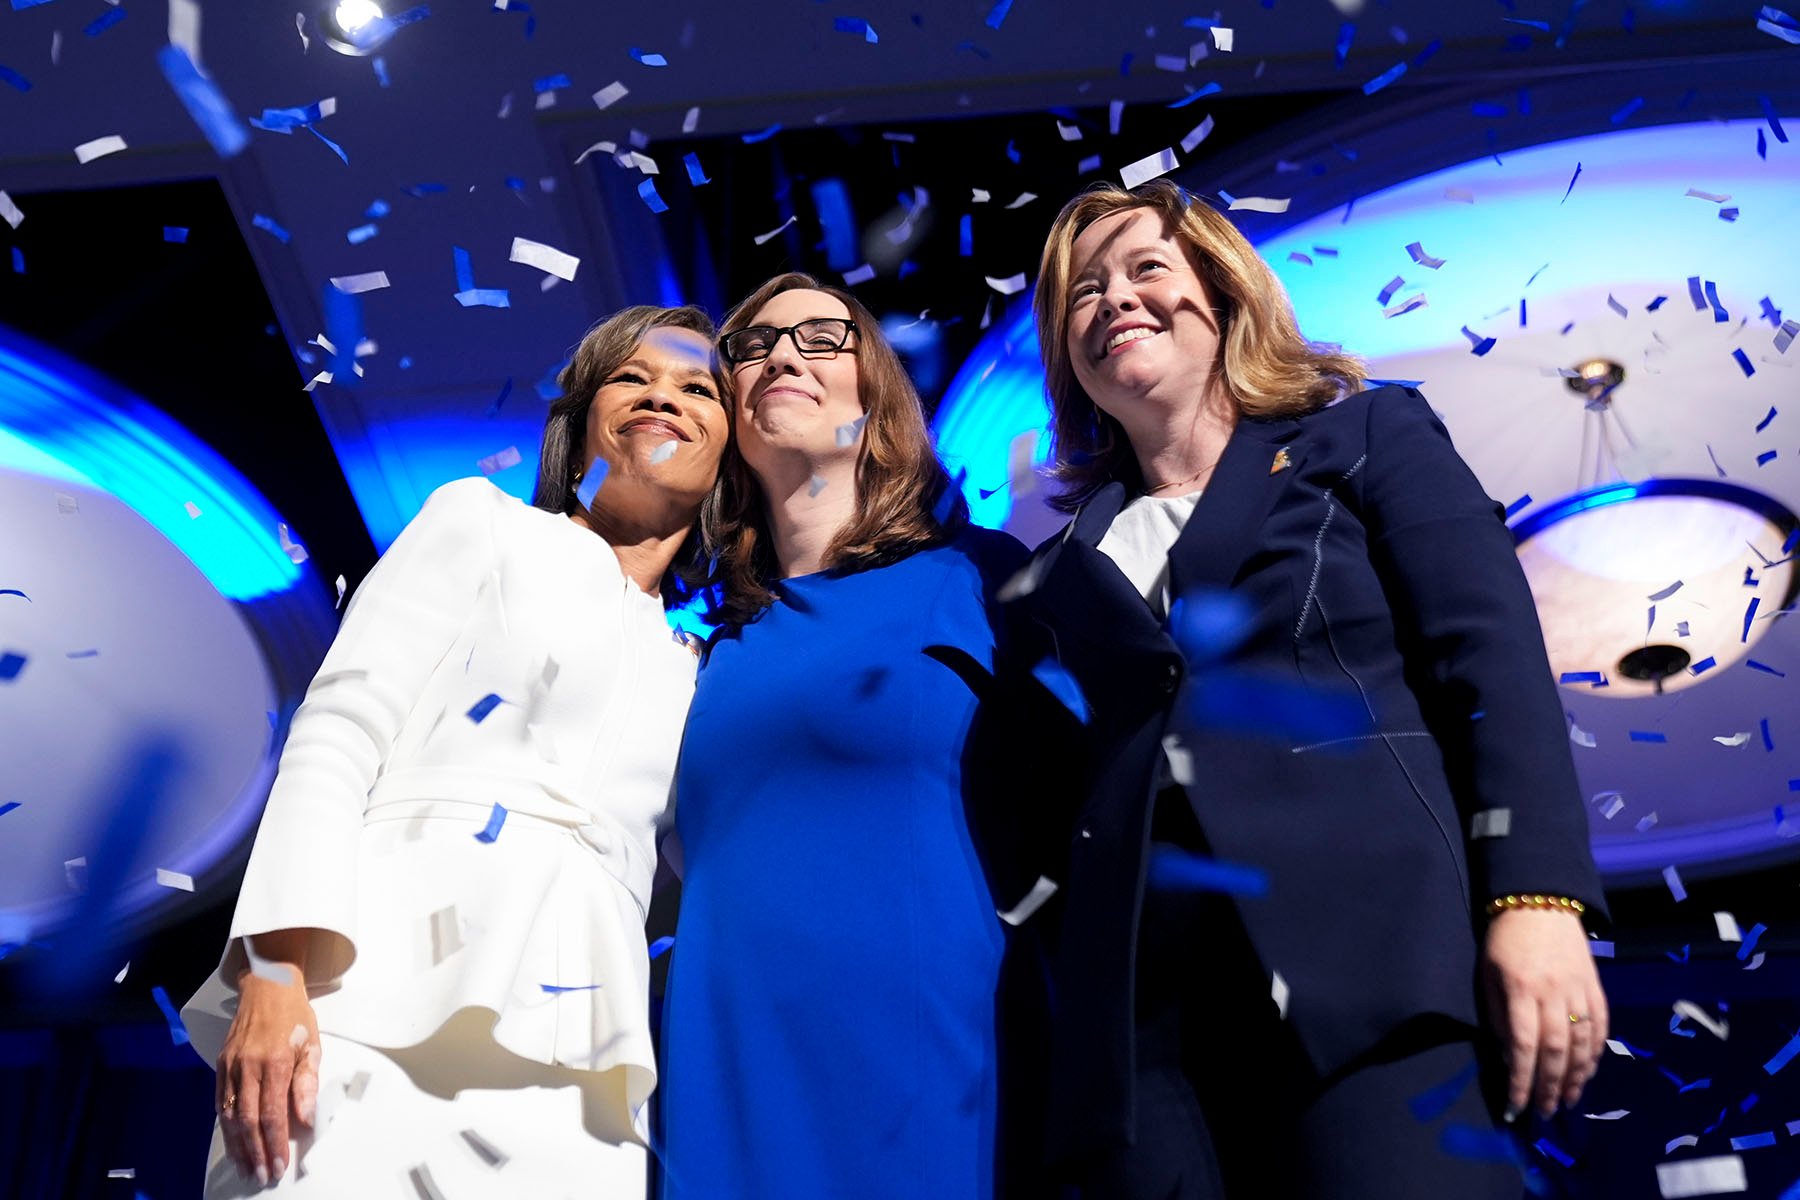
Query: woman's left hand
[{"x": 1543, "y": 996}]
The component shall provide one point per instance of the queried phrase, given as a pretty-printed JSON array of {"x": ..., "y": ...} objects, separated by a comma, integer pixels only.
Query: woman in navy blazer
[{"x": 1330, "y": 842}]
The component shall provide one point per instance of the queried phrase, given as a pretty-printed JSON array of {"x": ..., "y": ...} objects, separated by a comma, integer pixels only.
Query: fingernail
[
  {"x": 262, "y": 1175},
  {"x": 280, "y": 1167},
  {"x": 1512, "y": 1113}
]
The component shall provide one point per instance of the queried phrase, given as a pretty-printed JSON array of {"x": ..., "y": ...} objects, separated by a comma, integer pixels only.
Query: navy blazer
[{"x": 1372, "y": 567}]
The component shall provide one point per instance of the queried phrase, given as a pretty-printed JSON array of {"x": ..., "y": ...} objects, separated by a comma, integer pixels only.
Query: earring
[{"x": 577, "y": 478}]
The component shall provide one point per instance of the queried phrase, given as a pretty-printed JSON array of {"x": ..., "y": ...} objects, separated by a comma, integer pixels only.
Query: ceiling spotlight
[{"x": 355, "y": 26}]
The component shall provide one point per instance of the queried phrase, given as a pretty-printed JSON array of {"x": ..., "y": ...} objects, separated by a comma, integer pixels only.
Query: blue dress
[{"x": 830, "y": 1017}]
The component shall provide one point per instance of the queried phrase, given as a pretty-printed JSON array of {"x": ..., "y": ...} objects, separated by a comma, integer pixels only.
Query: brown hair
[
  {"x": 602, "y": 349},
  {"x": 899, "y": 480},
  {"x": 1267, "y": 367}
]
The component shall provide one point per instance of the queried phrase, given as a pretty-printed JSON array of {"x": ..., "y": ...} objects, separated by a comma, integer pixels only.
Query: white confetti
[
  {"x": 87, "y": 152},
  {"x": 122, "y": 1173},
  {"x": 598, "y": 148},
  {"x": 764, "y": 237},
  {"x": 10, "y": 211},
  {"x": 1179, "y": 758},
  {"x": 1716, "y": 1026},
  {"x": 425, "y": 1185},
  {"x": 1728, "y": 927},
  {"x": 1197, "y": 134},
  {"x": 815, "y": 485},
  {"x": 484, "y": 1149},
  {"x": 848, "y": 433},
  {"x": 611, "y": 94},
  {"x": 184, "y": 27},
  {"x": 1023, "y": 582},
  {"x": 1686, "y": 1139},
  {"x": 174, "y": 879},
  {"x": 642, "y": 162},
  {"x": 1040, "y": 892},
  {"x": 1011, "y": 285},
  {"x": 1222, "y": 38},
  {"x": 1278, "y": 992},
  {"x": 1068, "y": 133},
  {"x": 1171, "y": 62},
  {"x": 316, "y": 380},
  {"x": 445, "y": 934},
  {"x": 664, "y": 452},
  {"x": 294, "y": 550},
  {"x": 1618, "y": 1047},
  {"x": 544, "y": 100},
  {"x": 1491, "y": 823},
  {"x": 340, "y": 592},
  {"x": 548, "y": 259},
  {"x": 980, "y": 197},
  {"x": 691, "y": 121},
  {"x": 493, "y": 463},
  {"x": 1672, "y": 878},
  {"x": 300, "y": 28},
  {"x": 1702, "y": 1177},
  {"x": 1115, "y": 109},
  {"x": 120, "y": 977},
  {"x": 1736, "y": 739},
  {"x": 298, "y": 1037},
  {"x": 369, "y": 281},
  {"x": 860, "y": 274},
  {"x": 1024, "y": 198},
  {"x": 1148, "y": 168},
  {"x": 359, "y": 1083},
  {"x": 1460, "y": 195},
  {"x": 1582, "y": 737},
  {"x": 262, "y": 968},
  {"x": 1262, "y": 204},
  {"x": 1407, "y": 305},
  {"x": 193, "y": 510},
  {"x": 75, "y": 873},
  {"x": 1613, "y": 1115},
  {"x": 1715, "y": 197},
  {"x": 1645, "y": 823}
]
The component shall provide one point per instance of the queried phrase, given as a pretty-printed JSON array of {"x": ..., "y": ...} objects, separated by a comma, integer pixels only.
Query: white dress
[{"x": 483, "y": 1004}]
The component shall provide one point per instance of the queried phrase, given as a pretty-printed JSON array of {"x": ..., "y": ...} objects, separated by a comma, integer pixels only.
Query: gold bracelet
[{"x": 1501, "y": 904}]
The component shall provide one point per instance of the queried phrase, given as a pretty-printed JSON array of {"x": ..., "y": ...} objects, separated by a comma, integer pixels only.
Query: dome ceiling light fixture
[{"x": 360, "y": 27}]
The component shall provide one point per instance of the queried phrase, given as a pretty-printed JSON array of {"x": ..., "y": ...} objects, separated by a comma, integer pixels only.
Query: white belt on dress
[{"x": 411, "y": 794}]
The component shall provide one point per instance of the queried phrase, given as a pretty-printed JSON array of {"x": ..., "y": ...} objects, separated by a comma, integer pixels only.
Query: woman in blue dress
[{"x": 831, "y": 1024}]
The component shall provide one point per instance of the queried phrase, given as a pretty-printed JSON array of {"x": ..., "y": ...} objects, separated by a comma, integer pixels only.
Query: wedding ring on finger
[
  {"x": 230, "y": 1105},
  {"x": 1578, "y": 1018}
]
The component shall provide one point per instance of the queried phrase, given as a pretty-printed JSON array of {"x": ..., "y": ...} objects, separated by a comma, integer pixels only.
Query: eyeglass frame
[{"x": 791, "y": 332}]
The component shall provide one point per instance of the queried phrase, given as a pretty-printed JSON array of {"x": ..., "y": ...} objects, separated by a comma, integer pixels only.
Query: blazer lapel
[{"x": 1259, "y": 462}]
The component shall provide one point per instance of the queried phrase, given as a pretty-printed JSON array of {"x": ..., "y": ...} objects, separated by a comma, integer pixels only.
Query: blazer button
[{"x": 1171, "y": 678}]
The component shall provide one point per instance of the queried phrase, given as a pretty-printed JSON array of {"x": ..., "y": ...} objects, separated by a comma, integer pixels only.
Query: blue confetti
[
  {"x": 1478, "y": 345},
  {"x": 646, "y": 191},
  {"x": 1272, "y": 707},
  {"x": 1521, "y": 312},
  {"x": 1768, "y": 742},
  {"x": 11, "y": 663},
  {"x": 558, "y": 989},
  {"x": 761, "y": 135},
  {"x": 204, "y": 102},
  {"x": 1704, "y": 665},
  {"x": 1175, "y": 870},
  {"x": 965, "y": 235},
  {"x": 1597, "y": 678},
  {"x": 1387, "y": 293},
  {"x": 484, "y": 298},
  {"x": 997, "y": 14},
  {"x": 333, "y": 146},
  {"x": 1059, "y": 683},
  {"x": 1752, "y": 1141},
  {"x": 1431, "y": 1104},
  {"x": 1764, "y": 423},
  {"x": 1765, "y": 668},
  {"x": 1382, "y": 80},
  {"x": 1211, "y": 89},
  {"x": 1209, "y": 624},
  {"x": 1549, "y": 1149},
  {"x": 269, "y": 226},
  {"x": 496, "y": 819},
  {"x": 1346, "y": 35},
  {"x": 1720, "y": 316},
  {"x": 1482, "y": 108},
  {"x": 1012, "y": 150},
  {"x": 1627, "y": 109},
  {"x": 696, "y": 173},
  {"x": 550, "y": 83},
  {"x": 1666, "y": 592},
  {"x": 1639, "y": 735},
  {"x": 380, "y": 67},
  {"x": 104, "y": 22},
  {"x": 1521, "y": 503},
  {"x": 590, "y": 483},
  {"x": 856, "y": 25},
  {"x": 1540, "y": 26},
  {"x": 1750, "y": 938},
  {"x": 1572, "y": 179},
  {"x": 14, "y": 79},
  {"x": 1749, "y": 616},
  {"x": 493, "y": 410},
  {"x": 15, "y": 592},
  {"x": 174, "y": 233},
  {"x": 1743, "y": 362},
  {"x": 1671, "y": 955},
  {"x": 1125, "y": 64},
  {"x": 1477, "y": 1144},
  {"x": 1656, "y": 304},
  {"x": 484, "y": 706},
  {"x": 1431, "y": 48},
  {"x": 1768, "y": 109},
  {"x": 8, "y": 807},
  {"x": 1762, "y": 146},
  {"x": 661, "y": 946},
  {"x": 465, "y": 269},
  {"x": 178, "y": 1033},
  {"x": 18, "y": 260},
  {"x": 361, "y": 233},
  {"x": 1783, "y": 1056},
  {"x": 648, "y": 59}
]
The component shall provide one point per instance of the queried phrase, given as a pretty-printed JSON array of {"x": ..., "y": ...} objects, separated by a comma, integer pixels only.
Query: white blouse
[
  {"x": 1140, "y": 538},
  {"x": 497, "y": 654}
]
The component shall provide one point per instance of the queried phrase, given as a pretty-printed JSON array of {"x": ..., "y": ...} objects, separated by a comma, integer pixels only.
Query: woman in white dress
[{"x": 436, "y": 982}]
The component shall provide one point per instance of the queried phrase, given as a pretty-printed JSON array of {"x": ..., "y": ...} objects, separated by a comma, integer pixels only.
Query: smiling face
[
  {"x": 658, "y": 419},
  {"x": 1143, "y": 334},
  {"x": 792, "y": 402}
]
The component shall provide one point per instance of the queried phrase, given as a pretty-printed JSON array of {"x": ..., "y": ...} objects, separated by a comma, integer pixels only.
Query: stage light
[{"x": 355, "y": 27}]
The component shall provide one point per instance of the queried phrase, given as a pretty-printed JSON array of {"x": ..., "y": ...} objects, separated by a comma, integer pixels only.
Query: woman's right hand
[{"x": 268, "y": 1072}]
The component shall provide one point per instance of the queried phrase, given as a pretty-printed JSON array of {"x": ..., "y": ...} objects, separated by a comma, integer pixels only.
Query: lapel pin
[{"x": 1281, "y": 463}]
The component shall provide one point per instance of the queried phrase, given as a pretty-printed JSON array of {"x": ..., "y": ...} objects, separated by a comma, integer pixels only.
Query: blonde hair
[
  {"x": 899, "y": 480},
  {"x": 1268, "y": 369}
]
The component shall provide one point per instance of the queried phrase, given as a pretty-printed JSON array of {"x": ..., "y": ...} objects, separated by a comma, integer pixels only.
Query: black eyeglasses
[{"x": 821, "y": 335}]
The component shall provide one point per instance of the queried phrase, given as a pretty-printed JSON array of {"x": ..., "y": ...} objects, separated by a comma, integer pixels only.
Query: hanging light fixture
[{"x": 355, "y": 27}]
